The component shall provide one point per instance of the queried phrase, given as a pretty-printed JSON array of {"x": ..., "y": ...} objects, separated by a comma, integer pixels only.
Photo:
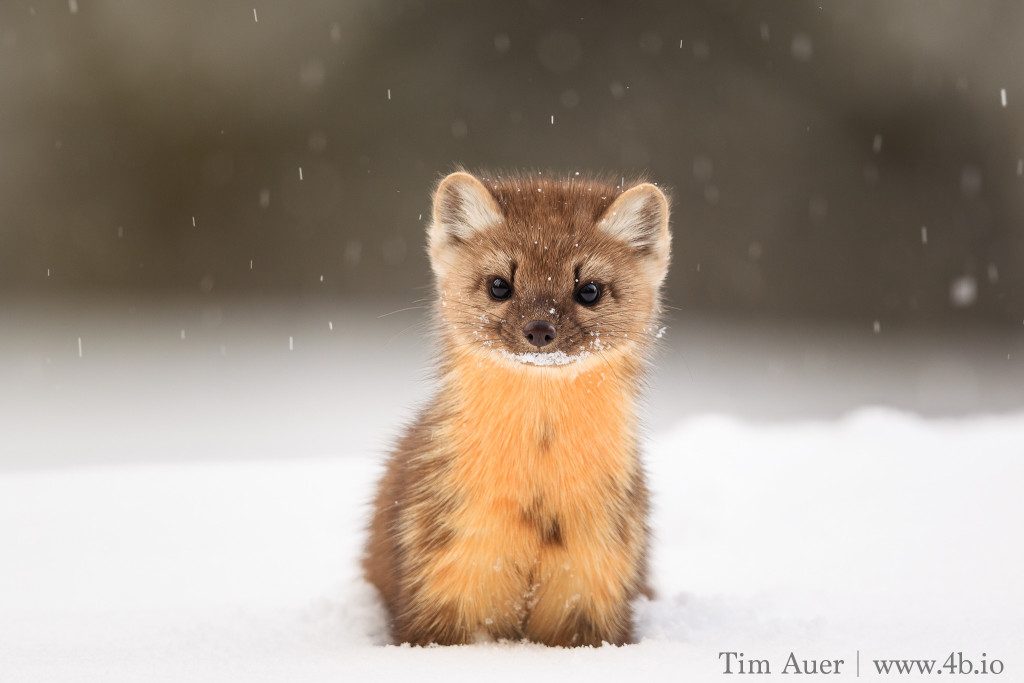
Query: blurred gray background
[
  {"x": 205, "y": 206},
  {"x": 827, "y": 159}
]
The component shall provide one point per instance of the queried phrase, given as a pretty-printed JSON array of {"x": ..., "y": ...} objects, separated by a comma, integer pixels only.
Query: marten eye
[
  {"x": 500, "y": 289},
  {"x": 588, "y": 294}
]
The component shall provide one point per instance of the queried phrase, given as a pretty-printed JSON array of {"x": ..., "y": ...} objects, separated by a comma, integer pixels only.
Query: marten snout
[{"x": 539, "y": 332}]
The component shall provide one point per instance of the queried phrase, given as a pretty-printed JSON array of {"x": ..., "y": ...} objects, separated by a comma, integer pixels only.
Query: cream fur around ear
[
  {"x": 462, "y": 207},
  {"x": 639, "y": 217}
]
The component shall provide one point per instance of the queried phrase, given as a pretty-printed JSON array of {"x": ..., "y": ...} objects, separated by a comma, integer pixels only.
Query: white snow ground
[{"x": 174, "y": 510}]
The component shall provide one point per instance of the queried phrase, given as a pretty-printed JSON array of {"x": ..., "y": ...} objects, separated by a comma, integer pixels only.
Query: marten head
[{"x": 543, "y": 271}]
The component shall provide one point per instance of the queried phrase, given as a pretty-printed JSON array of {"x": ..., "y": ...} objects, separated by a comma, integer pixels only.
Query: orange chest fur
[{"x": 547, "y": 439}]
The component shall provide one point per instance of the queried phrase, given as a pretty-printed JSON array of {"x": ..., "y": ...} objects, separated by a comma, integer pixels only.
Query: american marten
[{"x": 515, "y": 507}]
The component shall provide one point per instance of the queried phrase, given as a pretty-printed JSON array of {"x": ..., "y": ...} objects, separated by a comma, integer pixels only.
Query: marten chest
[
  {"x": 541, "y": 456},
  {"x": 531, "y": 512}
]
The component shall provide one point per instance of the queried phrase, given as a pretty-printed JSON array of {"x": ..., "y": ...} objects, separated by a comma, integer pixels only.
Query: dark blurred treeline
[{"x": 827, "y": 159}]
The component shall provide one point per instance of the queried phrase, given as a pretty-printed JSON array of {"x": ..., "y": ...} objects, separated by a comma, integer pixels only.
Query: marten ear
[
  {"x": 639, "y": 217},
  {"x": 462, "y": 207}
]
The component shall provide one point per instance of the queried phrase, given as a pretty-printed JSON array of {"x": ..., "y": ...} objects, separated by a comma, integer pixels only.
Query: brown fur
[{"x": 516, "y": 506}]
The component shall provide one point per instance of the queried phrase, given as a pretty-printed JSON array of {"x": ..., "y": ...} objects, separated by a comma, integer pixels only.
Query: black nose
[{"x": 539, "y": 332}]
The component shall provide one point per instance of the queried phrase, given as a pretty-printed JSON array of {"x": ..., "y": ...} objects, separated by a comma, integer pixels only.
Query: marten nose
[{"x": 539, "y": 332}]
